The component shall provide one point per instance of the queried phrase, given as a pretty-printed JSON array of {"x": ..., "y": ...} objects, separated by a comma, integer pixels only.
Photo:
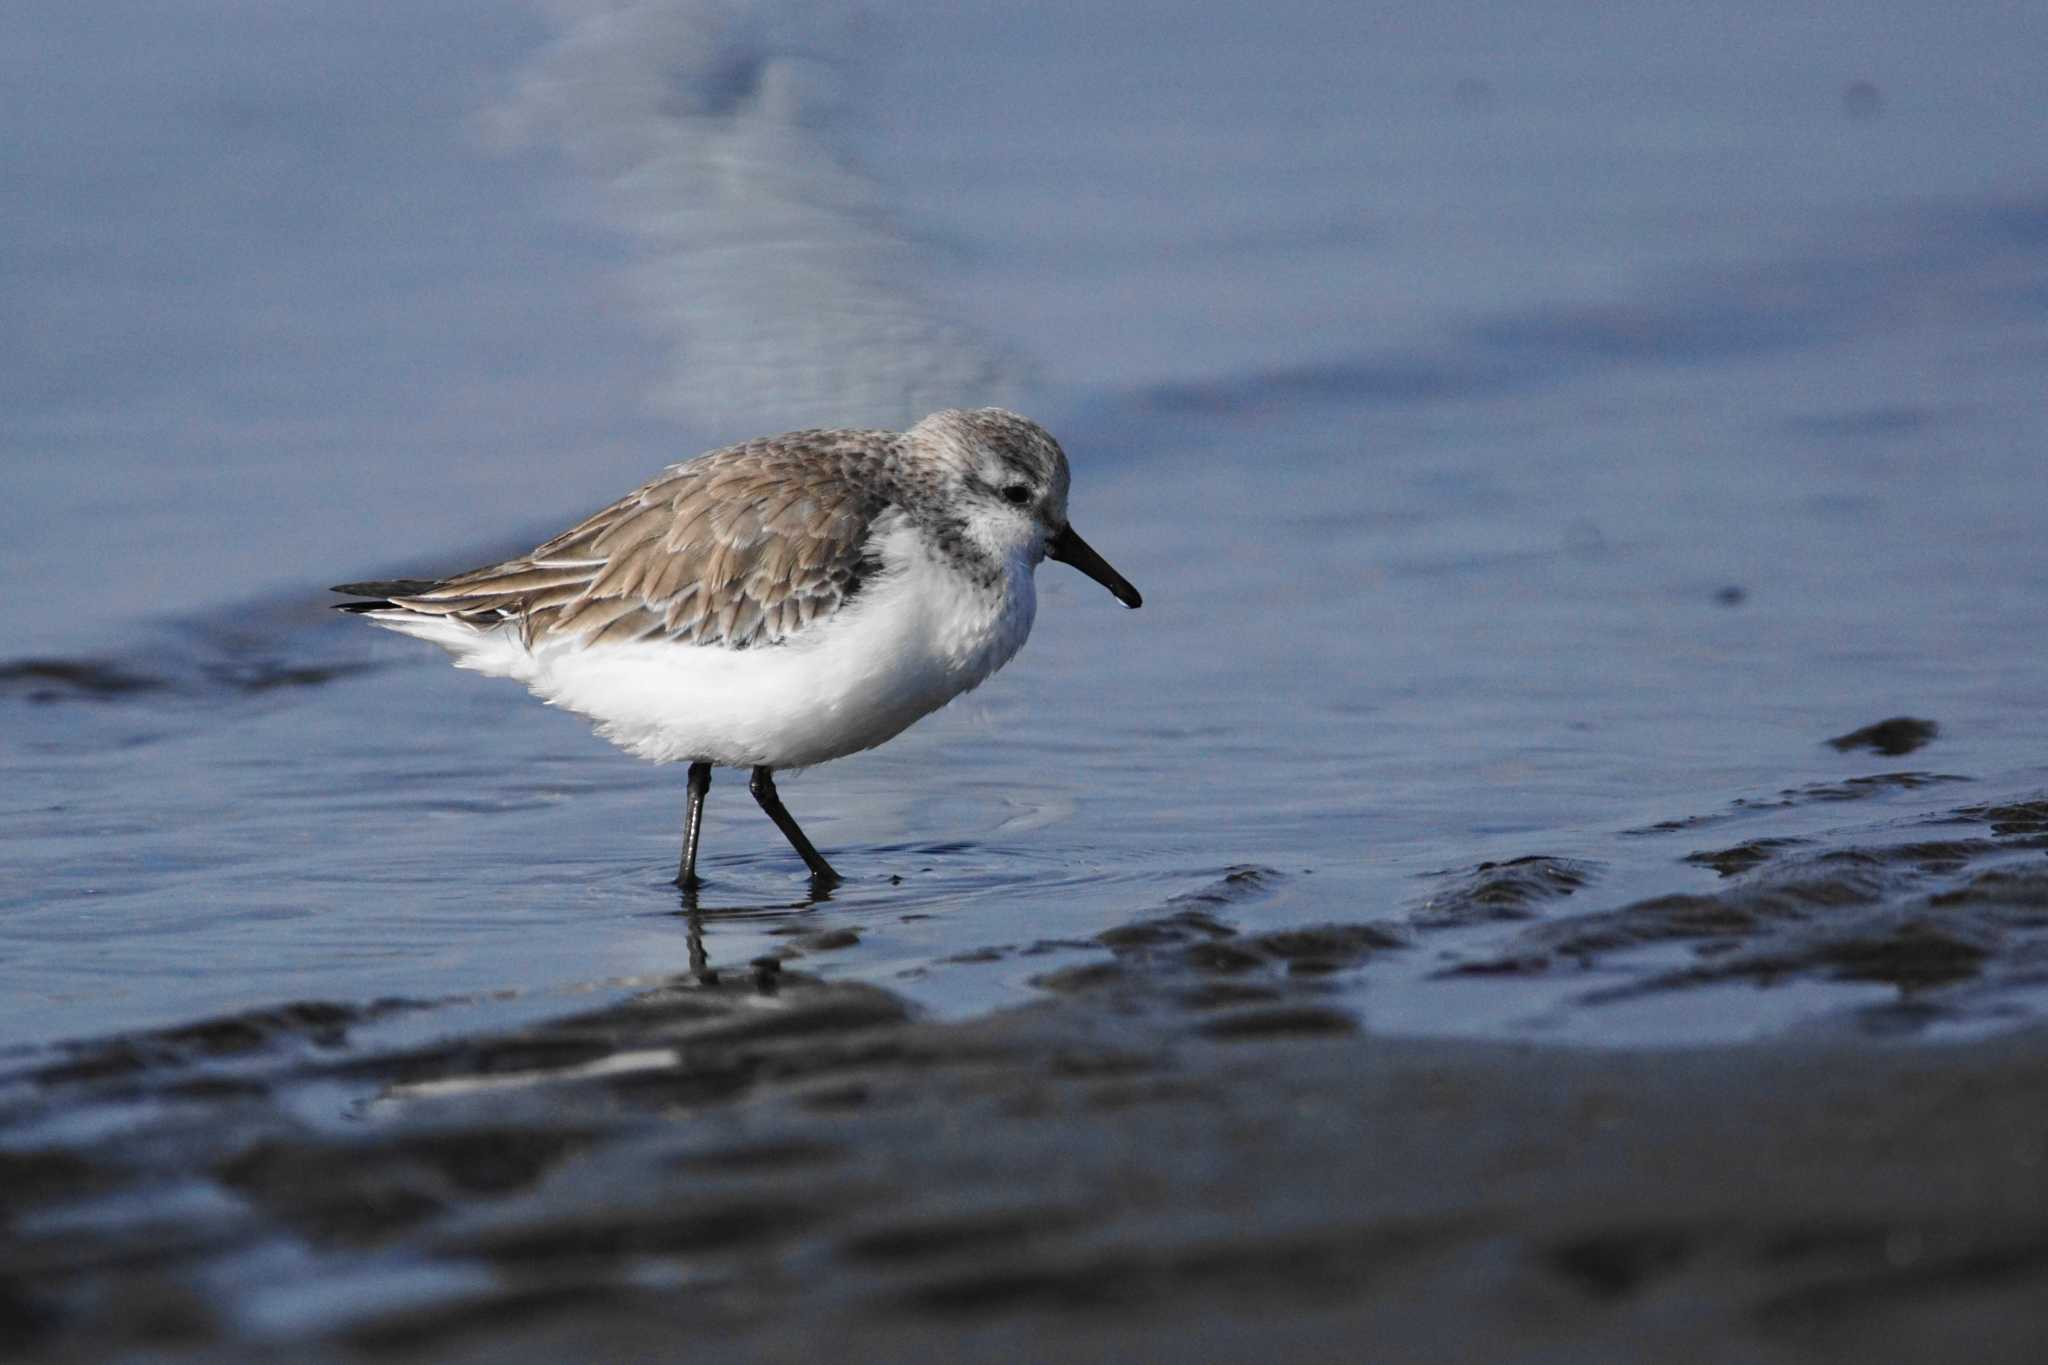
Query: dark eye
[{"x": 1017, "y": 494}]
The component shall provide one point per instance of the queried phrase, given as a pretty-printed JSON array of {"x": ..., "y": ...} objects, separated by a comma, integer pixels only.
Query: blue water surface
[{"x": 1529, "y": 431}]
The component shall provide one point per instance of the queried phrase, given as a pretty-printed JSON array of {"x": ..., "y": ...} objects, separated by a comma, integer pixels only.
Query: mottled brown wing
[{"x": 745, "y": 546}]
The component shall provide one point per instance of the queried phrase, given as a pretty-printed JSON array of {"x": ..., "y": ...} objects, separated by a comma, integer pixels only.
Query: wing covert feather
[{"x": 746, "y": 546}]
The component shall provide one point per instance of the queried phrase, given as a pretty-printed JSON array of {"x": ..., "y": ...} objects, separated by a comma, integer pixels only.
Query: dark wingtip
[
  {"x": 381, "y": 592},
  {"x": 387, "y": 587}
]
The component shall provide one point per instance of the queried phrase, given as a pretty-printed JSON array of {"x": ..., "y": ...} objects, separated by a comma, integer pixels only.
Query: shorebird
[{"x": 774, "y": 604}]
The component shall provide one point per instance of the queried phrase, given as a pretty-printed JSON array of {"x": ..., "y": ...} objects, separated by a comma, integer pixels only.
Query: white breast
[{"x": 916, "y": 637}]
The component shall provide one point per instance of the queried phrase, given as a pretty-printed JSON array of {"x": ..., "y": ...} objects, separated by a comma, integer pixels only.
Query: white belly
[{"x": 916, "y": 638}]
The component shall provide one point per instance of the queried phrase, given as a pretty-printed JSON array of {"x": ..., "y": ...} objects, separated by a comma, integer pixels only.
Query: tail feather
[{"x": 485, "y": 641}]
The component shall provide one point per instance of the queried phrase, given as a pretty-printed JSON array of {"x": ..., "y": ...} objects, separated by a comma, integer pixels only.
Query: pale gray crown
[{"x": 991, "y": 450}]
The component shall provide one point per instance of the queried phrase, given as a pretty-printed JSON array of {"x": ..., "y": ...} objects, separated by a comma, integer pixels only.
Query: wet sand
[{"x": 1185, "y": 1154}]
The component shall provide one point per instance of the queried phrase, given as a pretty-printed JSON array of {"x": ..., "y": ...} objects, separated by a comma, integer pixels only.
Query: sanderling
[{"x": 775, "y": 604}]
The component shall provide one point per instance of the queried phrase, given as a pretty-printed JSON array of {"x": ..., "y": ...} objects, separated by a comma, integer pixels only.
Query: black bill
[{"x": 1069, "y": 548}]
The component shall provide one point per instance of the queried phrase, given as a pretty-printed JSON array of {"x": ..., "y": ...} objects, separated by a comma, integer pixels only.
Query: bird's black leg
[
  {"x": 693, "y": 824},
  {"x": 763, "y": 788}
]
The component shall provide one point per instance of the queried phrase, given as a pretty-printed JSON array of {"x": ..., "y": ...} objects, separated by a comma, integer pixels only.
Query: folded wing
[{"x": 748, "y": 546}]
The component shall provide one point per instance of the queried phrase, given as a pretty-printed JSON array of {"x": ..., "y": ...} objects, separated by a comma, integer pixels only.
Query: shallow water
[
  {"x": 1584, "y": 474},
  {"x": 1522, "y": 456}
]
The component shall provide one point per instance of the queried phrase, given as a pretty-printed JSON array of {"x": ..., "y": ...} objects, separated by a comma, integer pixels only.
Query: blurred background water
[{"x": 1535, "y": 431}]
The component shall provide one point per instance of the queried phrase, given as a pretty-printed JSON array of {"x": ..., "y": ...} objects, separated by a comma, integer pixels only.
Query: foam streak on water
[{"x": 774, "y": 272}]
